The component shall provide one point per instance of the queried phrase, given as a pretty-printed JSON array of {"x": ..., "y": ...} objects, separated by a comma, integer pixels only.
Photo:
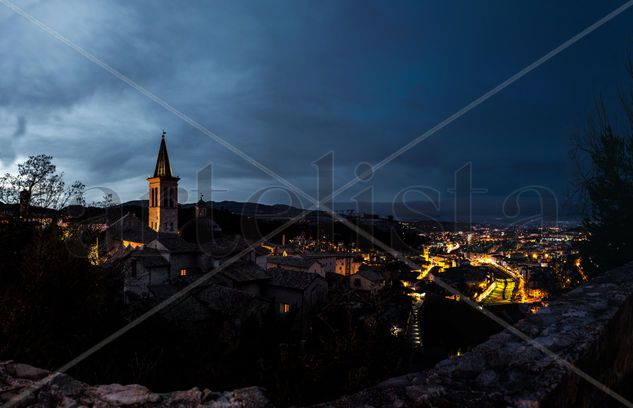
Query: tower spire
[
  {"x": 163, "y": 168},
  {"x": 163, "y": 194}
]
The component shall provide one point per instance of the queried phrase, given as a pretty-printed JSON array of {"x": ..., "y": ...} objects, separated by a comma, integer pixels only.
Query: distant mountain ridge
[
  {"x": 412, "y": 211},
  {"x": 235, "y": 207}
]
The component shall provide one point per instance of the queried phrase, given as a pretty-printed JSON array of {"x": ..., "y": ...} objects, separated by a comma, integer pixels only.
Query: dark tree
[
  {"x": 606, "y": 179},
  {"x": 38, "y": 175},
  {"x": 56, "y": 304}
]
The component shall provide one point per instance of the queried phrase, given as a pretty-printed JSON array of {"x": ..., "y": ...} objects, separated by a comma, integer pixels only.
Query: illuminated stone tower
[{"x": 163, "y": 194}]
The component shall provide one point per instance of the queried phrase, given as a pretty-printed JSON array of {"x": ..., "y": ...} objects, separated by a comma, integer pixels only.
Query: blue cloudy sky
[{"x": 289, "y": 81}]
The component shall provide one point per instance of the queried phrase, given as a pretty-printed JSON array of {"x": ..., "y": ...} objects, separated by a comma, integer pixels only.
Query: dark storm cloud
[{"x": 287, "y": 82}]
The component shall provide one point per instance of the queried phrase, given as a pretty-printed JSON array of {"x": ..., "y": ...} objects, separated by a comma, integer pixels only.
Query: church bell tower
[{"x": 163, "y": 194}]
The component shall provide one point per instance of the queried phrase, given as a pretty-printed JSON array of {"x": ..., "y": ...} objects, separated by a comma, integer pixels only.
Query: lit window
[
  {"x": 284, "y": 307},
  {"x": 183, "y": 272}
]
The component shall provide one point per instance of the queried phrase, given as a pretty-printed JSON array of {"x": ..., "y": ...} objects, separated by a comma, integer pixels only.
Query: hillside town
[{"x": 165, "y": 247}]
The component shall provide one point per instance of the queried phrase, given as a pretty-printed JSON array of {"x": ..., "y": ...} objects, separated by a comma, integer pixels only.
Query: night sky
[{"x": 289, "y": 81}]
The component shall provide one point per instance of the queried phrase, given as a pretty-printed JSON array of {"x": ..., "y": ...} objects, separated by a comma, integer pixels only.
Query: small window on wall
[
  {"x": 284, "y": 308},
  {"x": 184, "y": 272}
]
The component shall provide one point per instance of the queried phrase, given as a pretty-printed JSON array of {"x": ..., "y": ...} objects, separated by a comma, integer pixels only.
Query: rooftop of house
[
  {"x": 371, "y": 275},
  {"x": 291, "y": 261},
  {"x": 245, "y": 272},
  {"x": 149, "y": 257},
  {"x": 175, "y": 243},
  {"x": 131, "y": 228},
  {"x": 291, "y": 279},
  {"x": 205, "y": 299}
]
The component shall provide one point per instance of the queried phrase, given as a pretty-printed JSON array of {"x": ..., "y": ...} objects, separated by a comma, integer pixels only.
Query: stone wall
[{"x": 590, "y": 327}]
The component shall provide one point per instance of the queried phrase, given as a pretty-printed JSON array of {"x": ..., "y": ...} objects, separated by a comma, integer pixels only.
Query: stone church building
[{"x": 161, "y": 255}]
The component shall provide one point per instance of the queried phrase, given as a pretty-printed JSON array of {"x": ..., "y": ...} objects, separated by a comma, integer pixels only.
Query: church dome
[{"x": 200, "y": 230}]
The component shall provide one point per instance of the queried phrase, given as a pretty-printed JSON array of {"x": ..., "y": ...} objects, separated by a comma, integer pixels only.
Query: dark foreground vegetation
[{"x": 55, "y": 304}]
